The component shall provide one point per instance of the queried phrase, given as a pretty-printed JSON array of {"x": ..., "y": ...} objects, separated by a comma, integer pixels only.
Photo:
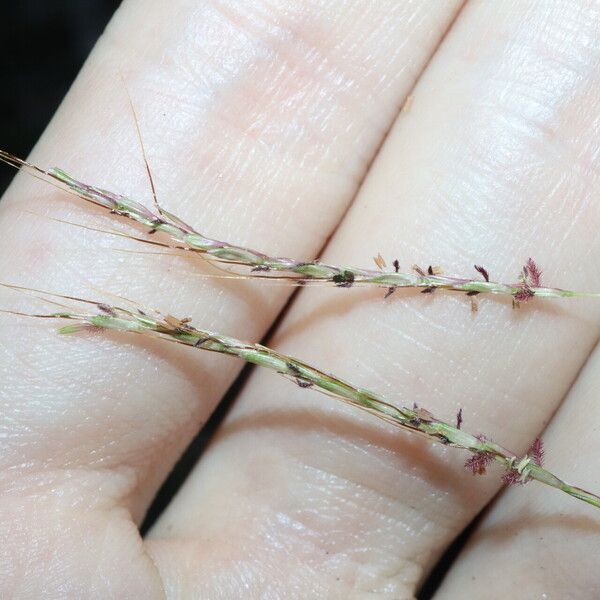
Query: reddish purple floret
[
  {"x": 530, "y": 278},
  {"x": 537, "y": 451},
  {"x": 532, "y": 274},
  {"x": 482, "y": 271},
  {"x": 512, "y": 477},
  {"x": 524, "y": 294},
  {"x": 478, "y": 462}
]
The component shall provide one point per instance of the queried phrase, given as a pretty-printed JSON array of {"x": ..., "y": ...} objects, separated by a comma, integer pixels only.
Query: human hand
[{"x": 260, "y": 124}]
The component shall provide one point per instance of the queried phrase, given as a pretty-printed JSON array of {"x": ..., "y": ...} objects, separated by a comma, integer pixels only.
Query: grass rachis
[
  {"x": 258, "y": 265},
  {"x": 518, "y": 469}
]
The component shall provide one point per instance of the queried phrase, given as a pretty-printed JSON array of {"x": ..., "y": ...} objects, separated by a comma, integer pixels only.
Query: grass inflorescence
[
  {"x": 518, "y": 469},
  {"x": 262, "y": 266}
]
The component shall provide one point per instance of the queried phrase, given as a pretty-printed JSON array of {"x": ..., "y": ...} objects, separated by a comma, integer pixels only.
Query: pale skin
[{"x": 279, "y": 125}]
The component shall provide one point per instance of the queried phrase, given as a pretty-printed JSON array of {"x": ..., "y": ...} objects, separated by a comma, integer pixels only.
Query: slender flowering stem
[
  {"x": 519, "y": 469},
  {"x": 304, "y": 272}
]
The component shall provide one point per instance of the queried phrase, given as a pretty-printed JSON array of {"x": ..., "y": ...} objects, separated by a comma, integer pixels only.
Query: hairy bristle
[
  {"x": 459, "y": 418},
  {"x": 536, "y": 451},
  {"x": 418, "y": 419},
  {"x": 512, "y": 477},
  {"x": 478, "y": 462},
  {"x": 524, "y": 294},
  {"x": 532, "y": 273}
]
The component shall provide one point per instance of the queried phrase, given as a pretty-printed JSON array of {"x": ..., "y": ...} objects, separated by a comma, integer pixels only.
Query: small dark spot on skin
[
  {"x": 428, "y": 290},
  {"x": 472, "y": 293},
  {"x": 303, "y": 384},
  {"x": 389, "y": 292},
  {"x": 443, "y": 439}
]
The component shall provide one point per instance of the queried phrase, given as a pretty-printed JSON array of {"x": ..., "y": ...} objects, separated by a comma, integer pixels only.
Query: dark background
[{"x": 43, "y": 44}]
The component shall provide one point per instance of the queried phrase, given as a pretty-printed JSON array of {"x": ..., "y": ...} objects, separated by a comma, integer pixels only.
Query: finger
[
  {"x": 531, "y": 543},
  {"x": 258, "y": 121},
  {"x": 491, "y": 164}
]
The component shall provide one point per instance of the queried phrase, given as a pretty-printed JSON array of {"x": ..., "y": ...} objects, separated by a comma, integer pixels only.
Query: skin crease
[
  {"x": 260, "y": 121},
  {"x": 299, "y": 497},
  {"x": 552, "y": 557},
  {"x": 497, "y": 153}
]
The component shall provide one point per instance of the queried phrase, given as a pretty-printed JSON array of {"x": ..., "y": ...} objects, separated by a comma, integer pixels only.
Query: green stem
[
  {"x": 413, "y": 419},
  {"x": 260, "y": 264}
]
